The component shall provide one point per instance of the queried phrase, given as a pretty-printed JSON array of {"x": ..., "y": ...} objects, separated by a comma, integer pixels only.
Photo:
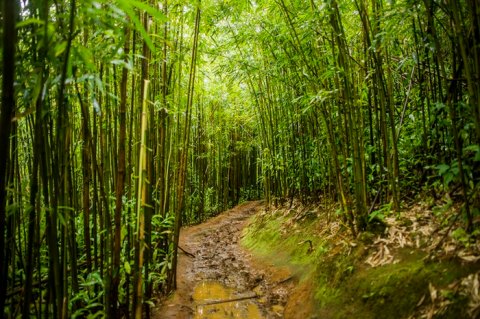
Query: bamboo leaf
[
  {"x": 60, "y": 48},
  {"x": 127, "y": 7},
  {"x": 151, "y": 10},
  {"x": 127, "y": 267},
  {"x": 28, "y": 22}
]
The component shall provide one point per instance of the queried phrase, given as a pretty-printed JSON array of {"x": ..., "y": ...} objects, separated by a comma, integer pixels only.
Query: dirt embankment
[{"x": 219, "y": 279}]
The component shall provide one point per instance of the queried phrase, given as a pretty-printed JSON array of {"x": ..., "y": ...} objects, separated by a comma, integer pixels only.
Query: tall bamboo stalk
[
  {"x": 141, "y": 202},
  {"x": 9, "y": 39}
]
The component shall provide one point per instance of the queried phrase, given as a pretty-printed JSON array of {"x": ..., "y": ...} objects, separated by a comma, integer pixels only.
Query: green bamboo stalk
[{"x": 141, "y": 201}]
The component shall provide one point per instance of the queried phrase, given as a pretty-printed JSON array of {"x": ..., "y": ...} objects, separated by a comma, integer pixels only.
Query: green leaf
[
  {"x": 474, "y": 148},
  {"x": 60, "y": 48},
  {"x": 376, "y": 214},
  {"x": 123, "y": 63},
  {"x": 448, "y": 179},
  {"x": 127, "y": 7},
  {"x": 140, "y": 28},
  {"x": 460, "y": 234},
  {"x": 94, "y": 305},
  {"x": 127, "y": 267},
  {"x": 97, "y": 314},
  {"x": 28, "y": 22},
  {"x": 157, "y": 14},
  {"x": 442, "y": 168},
  {"x": 66, "y": 208},
  {"x": 80, "y": 313},
  {"x": 124, "y": 232}
]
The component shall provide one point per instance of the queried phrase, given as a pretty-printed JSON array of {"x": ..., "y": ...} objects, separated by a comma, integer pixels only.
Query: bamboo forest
[{"x": 240, "y": 159}]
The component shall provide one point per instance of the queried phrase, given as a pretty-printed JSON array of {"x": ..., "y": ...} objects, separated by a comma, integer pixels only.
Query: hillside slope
[{"x": 411, "y": 265}]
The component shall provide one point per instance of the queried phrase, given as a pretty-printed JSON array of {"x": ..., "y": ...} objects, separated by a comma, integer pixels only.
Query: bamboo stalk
[{"x": 141, "y": 201}]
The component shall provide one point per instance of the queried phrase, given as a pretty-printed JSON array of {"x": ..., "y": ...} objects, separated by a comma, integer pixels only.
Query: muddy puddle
[
  {"x": 218, "y": 279},
  {"x": 213, "y": 300}
]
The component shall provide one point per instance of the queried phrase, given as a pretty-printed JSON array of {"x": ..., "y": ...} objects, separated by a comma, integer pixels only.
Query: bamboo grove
[
  {"x": 122, "y": 120},
  {"x": 108, "y": 131},
  {"x": 370, "y": 103}
]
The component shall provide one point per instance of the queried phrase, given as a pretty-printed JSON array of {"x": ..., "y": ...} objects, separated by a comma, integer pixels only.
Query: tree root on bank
[{"x": 186, "y": 252}]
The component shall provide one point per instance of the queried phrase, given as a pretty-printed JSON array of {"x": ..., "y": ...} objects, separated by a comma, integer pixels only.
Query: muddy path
[{"x": 217, "y": 278}]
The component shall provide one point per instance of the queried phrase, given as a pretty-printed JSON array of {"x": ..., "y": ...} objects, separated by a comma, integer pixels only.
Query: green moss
[
  {"x": 262, "y": 236},
  {"x": 267, "y": 238},
  {"x": 393, "y": 291},
  {"x": 344, "y": 286}
]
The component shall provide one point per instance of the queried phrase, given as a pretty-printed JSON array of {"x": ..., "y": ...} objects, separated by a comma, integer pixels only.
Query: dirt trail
[{"x": 222, "y": 280}]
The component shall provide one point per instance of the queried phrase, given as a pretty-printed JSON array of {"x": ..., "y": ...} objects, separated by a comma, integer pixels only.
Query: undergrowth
[{"x": 323, "y": 255}]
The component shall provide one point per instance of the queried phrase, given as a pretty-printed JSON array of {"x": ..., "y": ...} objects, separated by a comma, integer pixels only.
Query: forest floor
[
  {"x": 217, "y": 278},
  {"x": 296, "y": 261},
  {"x": 419, "y": 263}
]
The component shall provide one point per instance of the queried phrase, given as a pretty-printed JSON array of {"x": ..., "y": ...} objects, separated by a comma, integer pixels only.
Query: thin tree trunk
[
  {"x": 183, "y": 156},
  {"x": 120, "y": 185},
  {"x": 6, "y": 114}
]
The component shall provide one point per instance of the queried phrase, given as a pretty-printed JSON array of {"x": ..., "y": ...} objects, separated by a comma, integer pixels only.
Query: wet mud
[{"x": 217, "y": 278}]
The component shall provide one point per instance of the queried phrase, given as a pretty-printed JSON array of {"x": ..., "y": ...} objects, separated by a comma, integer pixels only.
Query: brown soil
[{"x": 222, "y": 270}]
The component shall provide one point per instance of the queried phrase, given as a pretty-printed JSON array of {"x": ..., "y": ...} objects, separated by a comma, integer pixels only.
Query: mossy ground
[{"x": 340, "y": 283}]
